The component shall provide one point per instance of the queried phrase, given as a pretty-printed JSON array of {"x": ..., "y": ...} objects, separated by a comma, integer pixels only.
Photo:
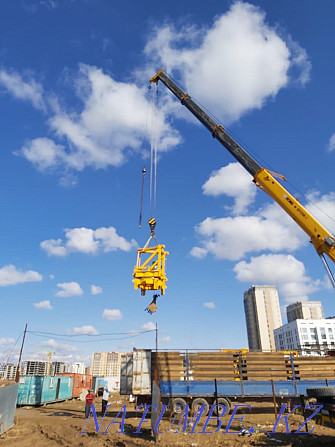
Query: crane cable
[
  {"x": 153, "y": 150},
  {"x": 141, "y": 205},
  {"x": 153, "y": 155}
]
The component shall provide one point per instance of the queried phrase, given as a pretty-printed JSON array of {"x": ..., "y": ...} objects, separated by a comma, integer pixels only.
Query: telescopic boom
[{"x": 322, "y": 239}]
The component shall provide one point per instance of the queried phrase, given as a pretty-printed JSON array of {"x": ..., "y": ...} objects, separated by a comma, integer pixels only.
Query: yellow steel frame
[{"x": 150, "y": 275}]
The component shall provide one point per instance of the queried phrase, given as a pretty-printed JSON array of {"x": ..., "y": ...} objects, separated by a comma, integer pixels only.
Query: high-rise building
[
  {"x": 106, "y": 364},
  {"x": 57, "y": 368},
  {"x": 309, "y": 337},
  {"x": 34, "y": 368},
  {"x": 8, "y": 371},
  {"x": 304, "y": 310},
  {"x": 262, "y": 314}
]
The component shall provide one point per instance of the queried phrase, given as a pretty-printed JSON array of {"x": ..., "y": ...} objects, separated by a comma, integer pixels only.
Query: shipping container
[
  {"x": 80, "y": 382},
  {"x": 38, "y": 390}
]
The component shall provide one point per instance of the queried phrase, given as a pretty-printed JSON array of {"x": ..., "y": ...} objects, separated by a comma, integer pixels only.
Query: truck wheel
[
  {"x": 321, "y": 391},
  {"x": 225, "y": 403},
  {"x": 177, "y": 405},
  {"x": 196, "y": 404}
]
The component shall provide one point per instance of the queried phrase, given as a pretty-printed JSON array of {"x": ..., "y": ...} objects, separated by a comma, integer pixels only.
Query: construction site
[{"x": 176, "y": 373}]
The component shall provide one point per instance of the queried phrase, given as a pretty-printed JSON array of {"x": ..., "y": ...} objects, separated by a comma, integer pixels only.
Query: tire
[
  {"x": 196, "y": 404},
  {"x": 177, "y": 405},
  {"x": 225, "y": 403},
  {"x": 322, "y": 391}
]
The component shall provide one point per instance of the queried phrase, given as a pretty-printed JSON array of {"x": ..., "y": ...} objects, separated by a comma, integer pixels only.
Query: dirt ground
[{"x": 59, "y": 425}]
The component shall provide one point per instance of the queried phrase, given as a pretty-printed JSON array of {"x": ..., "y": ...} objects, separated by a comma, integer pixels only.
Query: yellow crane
[{"x": 321, "y": 238}]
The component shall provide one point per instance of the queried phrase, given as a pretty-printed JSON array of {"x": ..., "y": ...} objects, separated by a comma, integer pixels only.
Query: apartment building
[
  {"x": 106, "y": 364},
  {"x": 262, "y": 314},
  {"x": 304, "y": 310},
  {"x": 308, "y": 337}
]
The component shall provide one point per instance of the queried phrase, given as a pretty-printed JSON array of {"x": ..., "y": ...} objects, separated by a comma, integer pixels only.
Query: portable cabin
[
  {"x": 80, "y": 382},
  {"x": 38, "y": 390}
]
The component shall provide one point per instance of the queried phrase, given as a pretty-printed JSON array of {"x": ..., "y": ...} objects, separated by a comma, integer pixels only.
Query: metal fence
[{"x": 8, "y": 398}]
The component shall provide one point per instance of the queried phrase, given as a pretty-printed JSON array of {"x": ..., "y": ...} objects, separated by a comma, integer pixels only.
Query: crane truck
[{"x": 320, "y": 237}]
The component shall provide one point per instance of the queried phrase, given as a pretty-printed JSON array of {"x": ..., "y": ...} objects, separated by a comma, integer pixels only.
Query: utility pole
[{"x": 18, "y": 365}]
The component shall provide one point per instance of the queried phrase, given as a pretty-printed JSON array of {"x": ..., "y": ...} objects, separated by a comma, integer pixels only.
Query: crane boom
[{"x": 321, "y": 238}]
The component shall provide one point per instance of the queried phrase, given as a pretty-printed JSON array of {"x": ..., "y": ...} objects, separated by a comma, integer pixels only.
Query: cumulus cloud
[
  {"x": 6, "y": 346},
  {"x": 331, "y": 144},
  {"x": 88, "y": 241},
  {"x": 285, "y": 271},
  {"x": 166, "y": 339},
  {"x": 43, "y": 305},
  {"x": 43, "y": 153},
  {"x": 233, "y": 237},
  {"x": 150, "y": 326},
  {"x": 209, "y": 305},
  {"x": 95, "y": 290},
  {"x": 62, "y": 351},
  {"x": 233, "y": 181},
  {"x": 112, "y": 314},
  {"x": 85, "y": 330},
  {"x": 28, "y": 90},
  {"x": 235, "y": 65},
  {"x": 69, "y": 289},
  {"x": 101, "y": 134},
  {"x": 11, "y": 276}
]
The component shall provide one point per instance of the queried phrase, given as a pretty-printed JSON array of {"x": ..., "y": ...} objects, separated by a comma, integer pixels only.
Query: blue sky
[{"x": 75, "y": 136}]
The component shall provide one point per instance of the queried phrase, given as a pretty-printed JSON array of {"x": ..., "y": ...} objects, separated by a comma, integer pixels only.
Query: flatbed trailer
[{"x": 206, "y": 378}]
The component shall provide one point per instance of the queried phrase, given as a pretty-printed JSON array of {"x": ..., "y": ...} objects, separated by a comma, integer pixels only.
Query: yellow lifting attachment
[{"x": 149, "y": 273}]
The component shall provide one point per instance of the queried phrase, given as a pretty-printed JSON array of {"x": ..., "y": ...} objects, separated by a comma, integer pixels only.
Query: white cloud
[
  {"x": 6, "y": 346},
  {"x": 10, "y": 276},
  {"x": 61, "y": 351},
  {"x": 331, "y": 144},
  {"x": 95, "y": 290},
  {"x": 43, "y": 305},
  {"x": 43, "y": 153},
  {"x": 233, "y": 237},
  {"x": 4, "y": 342},
  {"x": 101, "y": 134},
  {"x": 233, "y": 66},
  {"x": 165, "y": 339},
  {"x": 112, "y": 314},
  {"x": 88, "y": 241},
  {"x": 85, "y": 330},
  {"x": 150, "y": 326},
  {"x": 233, "y": 181},
  {"x": 28, "y": 90},
  {"x": 69, "y": 289},
  {"x": 209, "y": 305},
  {"x": 284, "y": 271}
]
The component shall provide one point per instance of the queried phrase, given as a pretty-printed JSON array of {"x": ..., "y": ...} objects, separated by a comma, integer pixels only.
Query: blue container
[
  {"x": 98, "y": 382},
  {"x": 37, "y": 390}
]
